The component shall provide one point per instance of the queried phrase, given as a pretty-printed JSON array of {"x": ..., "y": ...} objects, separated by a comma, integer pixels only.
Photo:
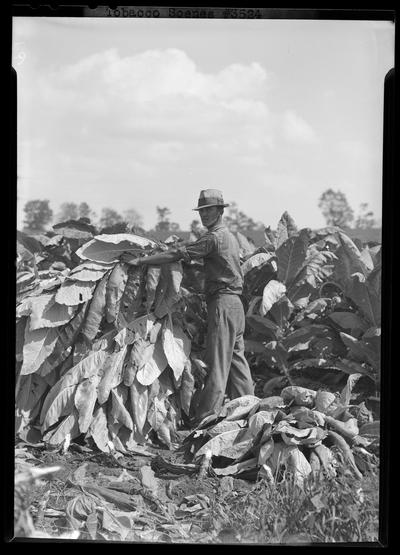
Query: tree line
[{"x": 38, "y": 215}]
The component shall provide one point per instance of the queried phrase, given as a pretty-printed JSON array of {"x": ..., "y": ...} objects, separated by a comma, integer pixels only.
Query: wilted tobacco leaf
[
  {"x": 118, "y": 410},
  {"x": 68, "y": 426},
  {"x": 96, "y": 310},
  {"x": 65, "y": 338},
  {"x": 38, "y": 345},
  {"x": 238, "y": 408},
  {"x": 28, "y": 400},
  {"x": 73, "y": 293},
  {"x": 86, "y": 368},
  {"x": 98, "y": 429},
  {"x": 225, "y": 426},
  {"x": 115, "y": 287},
  {"x": 235, "y": 469},
  {"x": 152, "y": 279},
  {"x": 176, "y": 346},
  {"x": 323, "y": 400},
  {"x": 61, "y": 405},
  {"x": 85, "y": 401},
  {"x": 157, "y": 413},
  {"x": 112, "y": 374},
  {"x": 164, "y": 433},
  {"x": 169, "y": 292},
  {"x": 348, "y": 429},
  {"x": 294, "y": 460},
  {"x": 299, "y": 395},
  {"x": 108, "y": 248},
  {"x": 326, "y": 458},
  {"x": 86, "y": 274},
  {"x": 131, "y": 299},
  {"x": 154, "y": 366},
  {"x": 138, "y": 396},
  {"x": 265, "y": 451},
  {"x": 46, "y": 313},
  {"x": 221, "y": 444},
  {"x": 187, "y": 388}
]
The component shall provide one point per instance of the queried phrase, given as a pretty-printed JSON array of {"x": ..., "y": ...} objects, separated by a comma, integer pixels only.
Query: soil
[{"x": 176, "y": 510}]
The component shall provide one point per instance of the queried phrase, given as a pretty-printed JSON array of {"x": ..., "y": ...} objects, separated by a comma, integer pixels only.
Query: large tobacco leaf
[
  {"x": 366, "y": 299},
  {"x": 85, "y": 400},
  {"x": 152, "y": 280},
  {"x": 65, "y": 338},
  {"x": 119, "y": 411},
  {"x": 139, "y": 398},
  {"x": 61, "y": 405},
  {"x": 286, "y": 228},
  {"x": 45, "y": 312},
  {"x": 68, "y": 426},
  {"x": 168, "y": 292},
  {"x": 348, "y": 261},
  {"x": 131, "y": 299},
  {"x": 154, "y": 366},
  {"x": 291, "y": 257},
  {"x": 108, "y": 248},
  {"x": 176, "y": 346},
  {"x": 187, "y": 388},
  {"x": 39, "y": 344},
  {"x": 98, "y": 429},
  {"x": 255, "y": 261},
  {"x": 72, "y": 293},
  {"x": 96, "y": 309},
  {"x": 86, "y": 368},
  {"x": 273, "y": 292},
  {"x": 111, "y": 374},
  {"x": 115, "y": 287}
]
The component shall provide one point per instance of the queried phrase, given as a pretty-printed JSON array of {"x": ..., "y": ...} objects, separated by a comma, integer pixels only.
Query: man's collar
[{"x": 217, "y": 226}]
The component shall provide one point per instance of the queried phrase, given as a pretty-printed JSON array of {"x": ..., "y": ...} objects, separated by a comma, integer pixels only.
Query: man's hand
[{"x": 129, "y": 259}]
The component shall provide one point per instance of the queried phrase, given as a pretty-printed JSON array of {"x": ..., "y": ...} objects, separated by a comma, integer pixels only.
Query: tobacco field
[{"x": 110, "y": 362}]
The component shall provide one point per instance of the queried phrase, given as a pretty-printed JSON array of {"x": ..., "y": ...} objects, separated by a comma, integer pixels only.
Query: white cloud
[
  {"x": 153, "y": 101},
  {"x": 296, "y": 129}
]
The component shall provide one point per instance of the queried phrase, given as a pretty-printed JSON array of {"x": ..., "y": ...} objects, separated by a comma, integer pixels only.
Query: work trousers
[{"x": 228, "y": 370}]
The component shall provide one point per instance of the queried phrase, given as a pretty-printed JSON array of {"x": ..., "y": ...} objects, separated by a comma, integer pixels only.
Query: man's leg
[
  {"x": 240, "y": 381},
  {"x": 221, "y": 337}
]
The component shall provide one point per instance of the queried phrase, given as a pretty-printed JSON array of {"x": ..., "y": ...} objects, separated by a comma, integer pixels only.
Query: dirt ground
[{"x": 134, "y": 498}]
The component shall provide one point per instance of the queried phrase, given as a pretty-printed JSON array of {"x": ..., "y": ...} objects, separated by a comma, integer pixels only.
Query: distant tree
[
  {"x": 196, "y": 230},
  {"x": 37, "y": 215},
  {"x": 84, "y": 211},
  {"x": 236, "y": 220},
  {"x": 109, "y": 217},
  {"x": 365, "y": 218},
  {"x": 174, "y": 226},
  {"x": 117, "y": 227},
  {"x": 133, "y": 218},
  {"x": 335, "y": 208},
  {"x": 163, "y": 218},
  {"x": 68, "y": 211}
]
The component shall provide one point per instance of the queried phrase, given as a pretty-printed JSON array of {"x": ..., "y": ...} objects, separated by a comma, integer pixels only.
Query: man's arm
[{"x": 153, "y": 260}]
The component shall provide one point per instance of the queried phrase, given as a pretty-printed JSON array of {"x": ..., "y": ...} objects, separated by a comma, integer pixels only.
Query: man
[{"x": 228, "y": 370}]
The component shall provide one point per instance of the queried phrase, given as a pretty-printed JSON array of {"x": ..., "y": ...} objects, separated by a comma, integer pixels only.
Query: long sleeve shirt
[{"x": 221, "y": 254}]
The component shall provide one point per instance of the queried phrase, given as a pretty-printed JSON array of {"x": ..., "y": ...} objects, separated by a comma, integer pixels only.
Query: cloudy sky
[{"x": 140, "y": 113}]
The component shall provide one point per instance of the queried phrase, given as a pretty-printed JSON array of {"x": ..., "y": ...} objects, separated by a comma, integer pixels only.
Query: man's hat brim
[{"x": 208, "y": 205}]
